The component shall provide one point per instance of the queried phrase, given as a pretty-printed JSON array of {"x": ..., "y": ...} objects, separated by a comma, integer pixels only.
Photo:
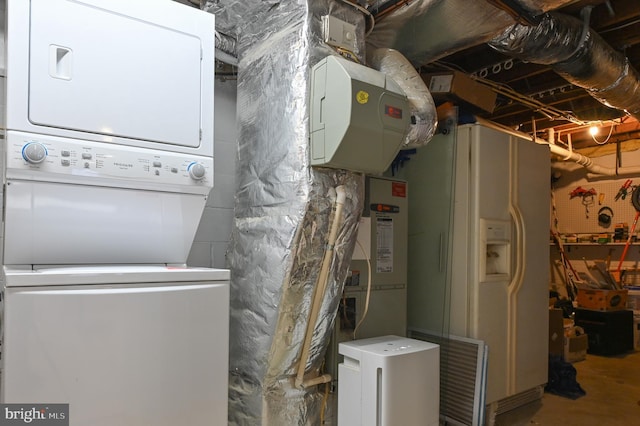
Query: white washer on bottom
[{"x": 124, "y": 345}]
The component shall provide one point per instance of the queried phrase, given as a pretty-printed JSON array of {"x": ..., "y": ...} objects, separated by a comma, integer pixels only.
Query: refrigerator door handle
[
  {"x": 442, "y": 253},
  {"x": 517, "y": 251}
]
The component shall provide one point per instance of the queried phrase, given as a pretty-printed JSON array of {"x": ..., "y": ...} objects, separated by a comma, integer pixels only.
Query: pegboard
[{"x": 572, "y": 213}]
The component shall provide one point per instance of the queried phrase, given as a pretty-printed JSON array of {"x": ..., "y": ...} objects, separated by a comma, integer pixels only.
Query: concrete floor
[{"x": 612, "y": 385}]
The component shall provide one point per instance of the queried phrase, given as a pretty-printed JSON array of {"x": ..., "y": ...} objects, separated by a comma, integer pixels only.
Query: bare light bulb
[{"x": 593, "y": 130}]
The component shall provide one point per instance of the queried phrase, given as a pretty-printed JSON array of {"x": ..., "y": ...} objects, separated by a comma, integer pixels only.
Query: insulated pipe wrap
[
  {"x": 423, "y": 109},
  {"x": 427, "y": 30},
  {"x": 579, "y": 55},
  {"x": 283, "y": 210},
  {"x": 225, "y": 43}
]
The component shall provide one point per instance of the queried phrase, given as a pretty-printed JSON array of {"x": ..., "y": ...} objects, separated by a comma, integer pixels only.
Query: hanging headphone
[{"x": 604, "y": 216}]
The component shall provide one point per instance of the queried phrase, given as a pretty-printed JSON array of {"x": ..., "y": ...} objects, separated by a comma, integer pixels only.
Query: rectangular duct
[{"x": 283, "y": 210}]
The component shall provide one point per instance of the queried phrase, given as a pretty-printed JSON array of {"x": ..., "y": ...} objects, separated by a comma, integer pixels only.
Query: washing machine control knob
[
  {"x": 34, "y": 152},
  {"x": 197, "y": 171}
]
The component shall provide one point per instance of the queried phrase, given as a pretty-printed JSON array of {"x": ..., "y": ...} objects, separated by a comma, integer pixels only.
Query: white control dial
[
  {"x": 196, "y": 171},
  {"x": 34, "y": 152}
]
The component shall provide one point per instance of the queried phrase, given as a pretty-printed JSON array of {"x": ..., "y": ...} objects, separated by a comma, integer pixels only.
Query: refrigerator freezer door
[
  {"x": 489, "y": 199},
  {"x": 120, "y": 355}
]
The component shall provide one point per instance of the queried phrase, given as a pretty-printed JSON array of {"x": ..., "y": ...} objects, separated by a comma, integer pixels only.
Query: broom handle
[{"x": 626, "y": 246}]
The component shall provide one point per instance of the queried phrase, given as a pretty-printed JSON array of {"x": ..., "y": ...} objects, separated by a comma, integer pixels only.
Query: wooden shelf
[{"x": 597, "y": 244}]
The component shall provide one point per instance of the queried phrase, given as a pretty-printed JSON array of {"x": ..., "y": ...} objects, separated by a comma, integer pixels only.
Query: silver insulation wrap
[
  {"x": 579, "y": 55},
  {"x": 226, "y": 43},
  {"x": 283, "y": 211},
  {"x": 226, "y": 49},
  {"x": 423, "y": 108},
  {"x": 425, "y": 31}
]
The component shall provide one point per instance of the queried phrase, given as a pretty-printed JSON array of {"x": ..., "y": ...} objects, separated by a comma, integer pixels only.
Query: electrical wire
[
  {"x": 367, "y": 14},
  {"x": 506, "y": 91},
  {"x": 366, "y": 303},
  {"x": 606, "y": 140},
  {"x": 348, "y": 54},
  {"x": 619, "y": 27},
  {"x": 323, "y": 407}
]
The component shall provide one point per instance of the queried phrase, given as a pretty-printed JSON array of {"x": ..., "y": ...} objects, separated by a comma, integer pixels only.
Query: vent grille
[
  {"x": 463, "y": 366},
  {"x": 518, "y": 400}
]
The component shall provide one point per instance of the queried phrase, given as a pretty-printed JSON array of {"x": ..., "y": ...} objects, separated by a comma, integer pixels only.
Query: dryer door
[{"x": 121, "y": 70}]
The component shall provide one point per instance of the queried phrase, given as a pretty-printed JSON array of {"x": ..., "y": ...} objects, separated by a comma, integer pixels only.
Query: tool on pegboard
[
  {"x": 635, "y": 200},
  {"x": 624, "y": 190},
  {"x": 587, "y": 196}
]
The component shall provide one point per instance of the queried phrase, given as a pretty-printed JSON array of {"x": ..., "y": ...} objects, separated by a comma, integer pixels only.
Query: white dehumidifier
[{"x": 389, "y": 381}]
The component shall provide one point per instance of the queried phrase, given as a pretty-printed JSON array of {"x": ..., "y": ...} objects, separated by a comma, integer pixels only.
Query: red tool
[
  {"x": 624, "y": 189},
  {"x": 581, "y": 192},
  {"x": 635, "y": 200}
]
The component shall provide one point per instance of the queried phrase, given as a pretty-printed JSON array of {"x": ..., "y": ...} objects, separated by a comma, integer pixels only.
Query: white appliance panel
[
  {"x": 42, "y": 276},
  {"x": 389, "y": 381},
  {"x": 76, "y": 161},
  {"x": 51, "y": 223},
  {"x": 530, "y": 340},
  {"x": 120, "y": 72},
  {"x": 120, "y": 355},
  {"x": 490, "y": 199}
]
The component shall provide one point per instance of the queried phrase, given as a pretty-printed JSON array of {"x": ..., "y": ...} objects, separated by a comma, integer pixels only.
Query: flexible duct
[
  {"x": 226, "y": 49},
  {"x": 579, "y": 55},
  {"x": 427, "y": 30},
  {"x": 423, "y": 109}
]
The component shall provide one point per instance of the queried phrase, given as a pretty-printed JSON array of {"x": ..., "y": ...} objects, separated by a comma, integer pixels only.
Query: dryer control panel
[{"x": 49, "y": 158}]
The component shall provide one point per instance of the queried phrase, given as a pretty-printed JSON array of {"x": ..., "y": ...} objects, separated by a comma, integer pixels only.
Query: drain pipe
[
  {"x": 318, "y": 295},
  {"x": 565, "y": 154}
]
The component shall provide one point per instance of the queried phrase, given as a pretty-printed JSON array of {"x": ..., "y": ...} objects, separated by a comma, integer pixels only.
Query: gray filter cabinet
[{"x": 359, "y": 116}]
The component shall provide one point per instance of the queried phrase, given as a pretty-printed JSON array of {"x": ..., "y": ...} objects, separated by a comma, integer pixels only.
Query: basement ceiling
[
  {"x": 616, "y": 21},
  {"x": 536, "y": 98}
]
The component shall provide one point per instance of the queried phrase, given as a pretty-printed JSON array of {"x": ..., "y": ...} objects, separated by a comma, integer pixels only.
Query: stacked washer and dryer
[{"x": 107, "y": 165}]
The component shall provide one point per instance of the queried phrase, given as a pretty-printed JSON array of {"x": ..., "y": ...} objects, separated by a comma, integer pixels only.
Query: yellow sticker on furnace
[{"x": 362, "y": 97}]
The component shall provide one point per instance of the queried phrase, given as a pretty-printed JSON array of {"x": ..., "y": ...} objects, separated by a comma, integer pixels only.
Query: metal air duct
[
  {"x": 427, "y": 30},
  {"x": 283, "y": 213},
  {"x": 579, "y": 55}
]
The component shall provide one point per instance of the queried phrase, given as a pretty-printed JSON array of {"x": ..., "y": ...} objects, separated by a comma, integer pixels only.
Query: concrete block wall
[{"x": 210, "y": 243}]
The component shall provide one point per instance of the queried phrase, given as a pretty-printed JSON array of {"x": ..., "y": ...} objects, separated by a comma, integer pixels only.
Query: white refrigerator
[{"x": 479, "y": 250}]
